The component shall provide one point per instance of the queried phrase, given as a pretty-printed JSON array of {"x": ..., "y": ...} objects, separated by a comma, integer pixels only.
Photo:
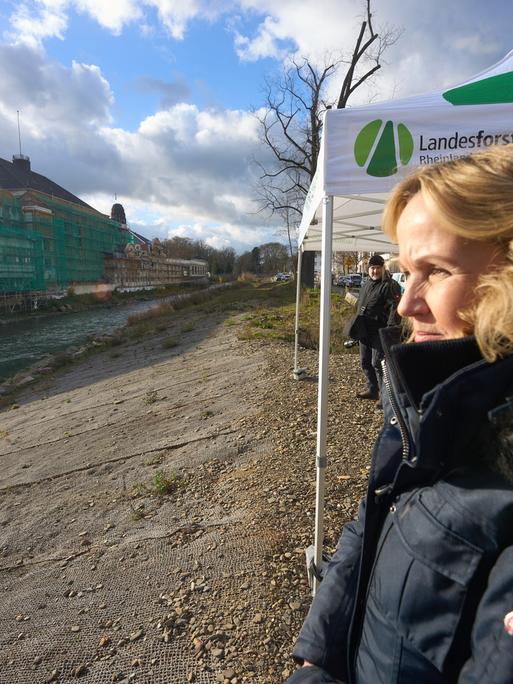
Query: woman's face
[{"x": 442, "y": 272}]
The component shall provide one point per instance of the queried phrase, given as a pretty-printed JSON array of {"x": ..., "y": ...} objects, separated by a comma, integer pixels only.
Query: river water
[{"x": 24, "y": 342}]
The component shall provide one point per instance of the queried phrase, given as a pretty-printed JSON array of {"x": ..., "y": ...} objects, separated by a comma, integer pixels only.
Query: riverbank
[
  {"x": 72, "y": 303},
  {"x": 156, "y": 499},
  {"x": 36, "y": 345}
]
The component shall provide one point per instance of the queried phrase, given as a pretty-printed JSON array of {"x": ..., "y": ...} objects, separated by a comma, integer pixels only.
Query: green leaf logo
[
  {"x": 375, "y": 148},
  {"x": 492, "y": 90}
]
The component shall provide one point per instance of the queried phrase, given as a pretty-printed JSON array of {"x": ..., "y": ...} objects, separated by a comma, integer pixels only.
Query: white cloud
[
  {"x": 34, "y": 23},
  {"x": 315, "y": 27},
  {"x": 442, "y": 42},
  {"x": 36, "y": 20},
  {"x": 266, "y": 43},
  {"x": 111, "y": 14},
  {"x": 176, "y": 14},
  {"x": 194, "y": 159},
  {"x": 219, "y": 242},
  {"x": 186, "y": 168},
  {"x": 53, "y": 99},
  {"x": 224, "y": 235},
  {"x": 442, "y": 39},
  {"x": 475, "y": 45},
  {"x": 182, "y": 166}
]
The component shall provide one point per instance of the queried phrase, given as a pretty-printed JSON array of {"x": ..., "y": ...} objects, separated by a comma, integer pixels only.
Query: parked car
[
  {"x": 350, "y": 280},
  {"x": 282, "y": 276},
  {"x": 401, "y": 279}
]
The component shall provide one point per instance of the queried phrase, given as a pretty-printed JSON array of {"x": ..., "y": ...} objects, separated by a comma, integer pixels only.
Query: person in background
[
  {"x": 420, "y": 588},
  {"x": 376, "y": 308}
]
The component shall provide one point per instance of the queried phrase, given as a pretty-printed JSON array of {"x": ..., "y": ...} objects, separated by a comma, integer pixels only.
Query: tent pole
[
  {"x": 322, "y": 396},
  {"x": 298, "y": 372}
]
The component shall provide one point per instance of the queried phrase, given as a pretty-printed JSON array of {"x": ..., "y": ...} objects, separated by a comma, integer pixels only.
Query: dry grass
[
  {"x": 278, "y": 322},
  {"x": 167, "y": 308},
  {"x": 248, "y": 277}
]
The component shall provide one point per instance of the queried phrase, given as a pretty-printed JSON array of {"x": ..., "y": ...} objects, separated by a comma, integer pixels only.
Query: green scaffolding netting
[
  {"x": 53, "y": 244},
  {"x": 21, "y": 260}
]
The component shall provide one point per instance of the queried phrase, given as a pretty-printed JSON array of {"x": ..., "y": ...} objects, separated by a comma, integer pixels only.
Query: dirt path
[{"x": 155, "y": 504}]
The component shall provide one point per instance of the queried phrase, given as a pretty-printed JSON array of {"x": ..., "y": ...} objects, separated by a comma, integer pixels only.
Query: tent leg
[
  {"x": 298, "y": 373},
  {"x": 322, "y": 396}
]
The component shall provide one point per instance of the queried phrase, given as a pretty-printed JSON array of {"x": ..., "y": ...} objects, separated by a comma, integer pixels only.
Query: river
[{"x": 24, "y": 342}]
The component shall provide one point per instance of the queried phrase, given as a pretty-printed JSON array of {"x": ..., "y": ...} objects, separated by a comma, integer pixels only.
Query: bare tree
[
  {"x": 220, "y": 261},
  {"x": 366, "y": 58},
  {"x": 179, "y": 247},
  {"x": 291, "y": 123},
  {"x": 346, "y": 262}
]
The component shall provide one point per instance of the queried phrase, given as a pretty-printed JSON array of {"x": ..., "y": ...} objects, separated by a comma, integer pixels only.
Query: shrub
[
  {"x": 164, "y": 483},
  {"x": 150, "y": 397},
  {"x": 169, "y": 343}
]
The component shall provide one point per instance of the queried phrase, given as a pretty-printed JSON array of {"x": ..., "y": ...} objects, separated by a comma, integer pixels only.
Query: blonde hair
[{"x": 472, "y": 197}]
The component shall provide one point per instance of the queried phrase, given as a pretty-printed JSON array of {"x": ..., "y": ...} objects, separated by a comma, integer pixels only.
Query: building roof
[
  {"x": 17, "y": 175},
  {"x": 140, "y": 238}
]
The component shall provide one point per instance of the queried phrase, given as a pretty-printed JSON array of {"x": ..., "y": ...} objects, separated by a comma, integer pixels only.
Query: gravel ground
[{"x": 155, "y": 504}]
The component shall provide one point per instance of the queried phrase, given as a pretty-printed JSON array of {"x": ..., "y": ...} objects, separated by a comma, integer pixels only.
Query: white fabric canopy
[
  {"x": 356, "y": 226},
  {"x": 365, "y": 151}
]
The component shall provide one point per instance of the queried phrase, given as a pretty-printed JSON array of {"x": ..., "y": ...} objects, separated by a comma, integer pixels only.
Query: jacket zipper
[
  {"x": 381, "y": 493},
  {"x": 397, "y": 412}
]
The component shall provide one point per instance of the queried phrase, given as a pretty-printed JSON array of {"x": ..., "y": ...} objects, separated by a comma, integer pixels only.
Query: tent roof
[
  {"x": 366, "y": 150},
  {"x": 356, "y": 225}
]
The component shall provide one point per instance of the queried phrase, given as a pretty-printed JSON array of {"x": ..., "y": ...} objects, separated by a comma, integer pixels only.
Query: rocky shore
[{"x": 155, "y": 503}]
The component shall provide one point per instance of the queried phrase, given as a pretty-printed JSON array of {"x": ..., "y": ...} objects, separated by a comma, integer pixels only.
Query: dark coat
[
  {"x": 375, "y": 309},
  {"x": 419, "y": 586}
]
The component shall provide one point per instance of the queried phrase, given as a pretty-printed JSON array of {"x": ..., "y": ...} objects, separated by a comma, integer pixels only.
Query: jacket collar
[
  {"x": 445, "y": 391},
  {"x": 420, "y": 367}
]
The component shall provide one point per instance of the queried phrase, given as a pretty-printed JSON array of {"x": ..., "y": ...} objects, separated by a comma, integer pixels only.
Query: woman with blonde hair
[{"x": 420, "y": 589}]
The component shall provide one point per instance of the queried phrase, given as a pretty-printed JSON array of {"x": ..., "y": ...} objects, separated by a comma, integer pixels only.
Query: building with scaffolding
[{"x": 51, "y": 241}]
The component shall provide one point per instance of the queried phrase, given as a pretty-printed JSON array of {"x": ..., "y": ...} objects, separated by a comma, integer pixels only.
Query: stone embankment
[{"x": 155, "y": 503}]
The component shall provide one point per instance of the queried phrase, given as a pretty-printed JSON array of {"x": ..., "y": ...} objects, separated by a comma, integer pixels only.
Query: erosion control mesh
[
  {"x": 154, "y": 510},
  {"x": 148, "y": 604}
]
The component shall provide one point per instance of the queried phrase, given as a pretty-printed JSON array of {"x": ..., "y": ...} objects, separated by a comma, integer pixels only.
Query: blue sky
[
  {"x": 154, "y": 99},
  {"x": 149, "y": 72}
]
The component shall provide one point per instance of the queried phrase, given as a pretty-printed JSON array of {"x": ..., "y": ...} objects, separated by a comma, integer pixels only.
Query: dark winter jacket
[
  {"x": 378, "y": 300},
  {"x": 375, "y": 309},
  {"x": 419, "y": 586}
]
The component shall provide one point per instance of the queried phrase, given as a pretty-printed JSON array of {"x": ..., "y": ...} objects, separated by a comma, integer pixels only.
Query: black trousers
[{"x": 371, "y": 355}]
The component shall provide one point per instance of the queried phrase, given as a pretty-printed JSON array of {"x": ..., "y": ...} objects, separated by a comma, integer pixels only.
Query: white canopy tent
[{"x": 365, "y": 151}]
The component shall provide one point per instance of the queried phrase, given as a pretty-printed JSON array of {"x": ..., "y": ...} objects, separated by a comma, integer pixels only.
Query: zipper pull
[{"x": 382, "y": 491}]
